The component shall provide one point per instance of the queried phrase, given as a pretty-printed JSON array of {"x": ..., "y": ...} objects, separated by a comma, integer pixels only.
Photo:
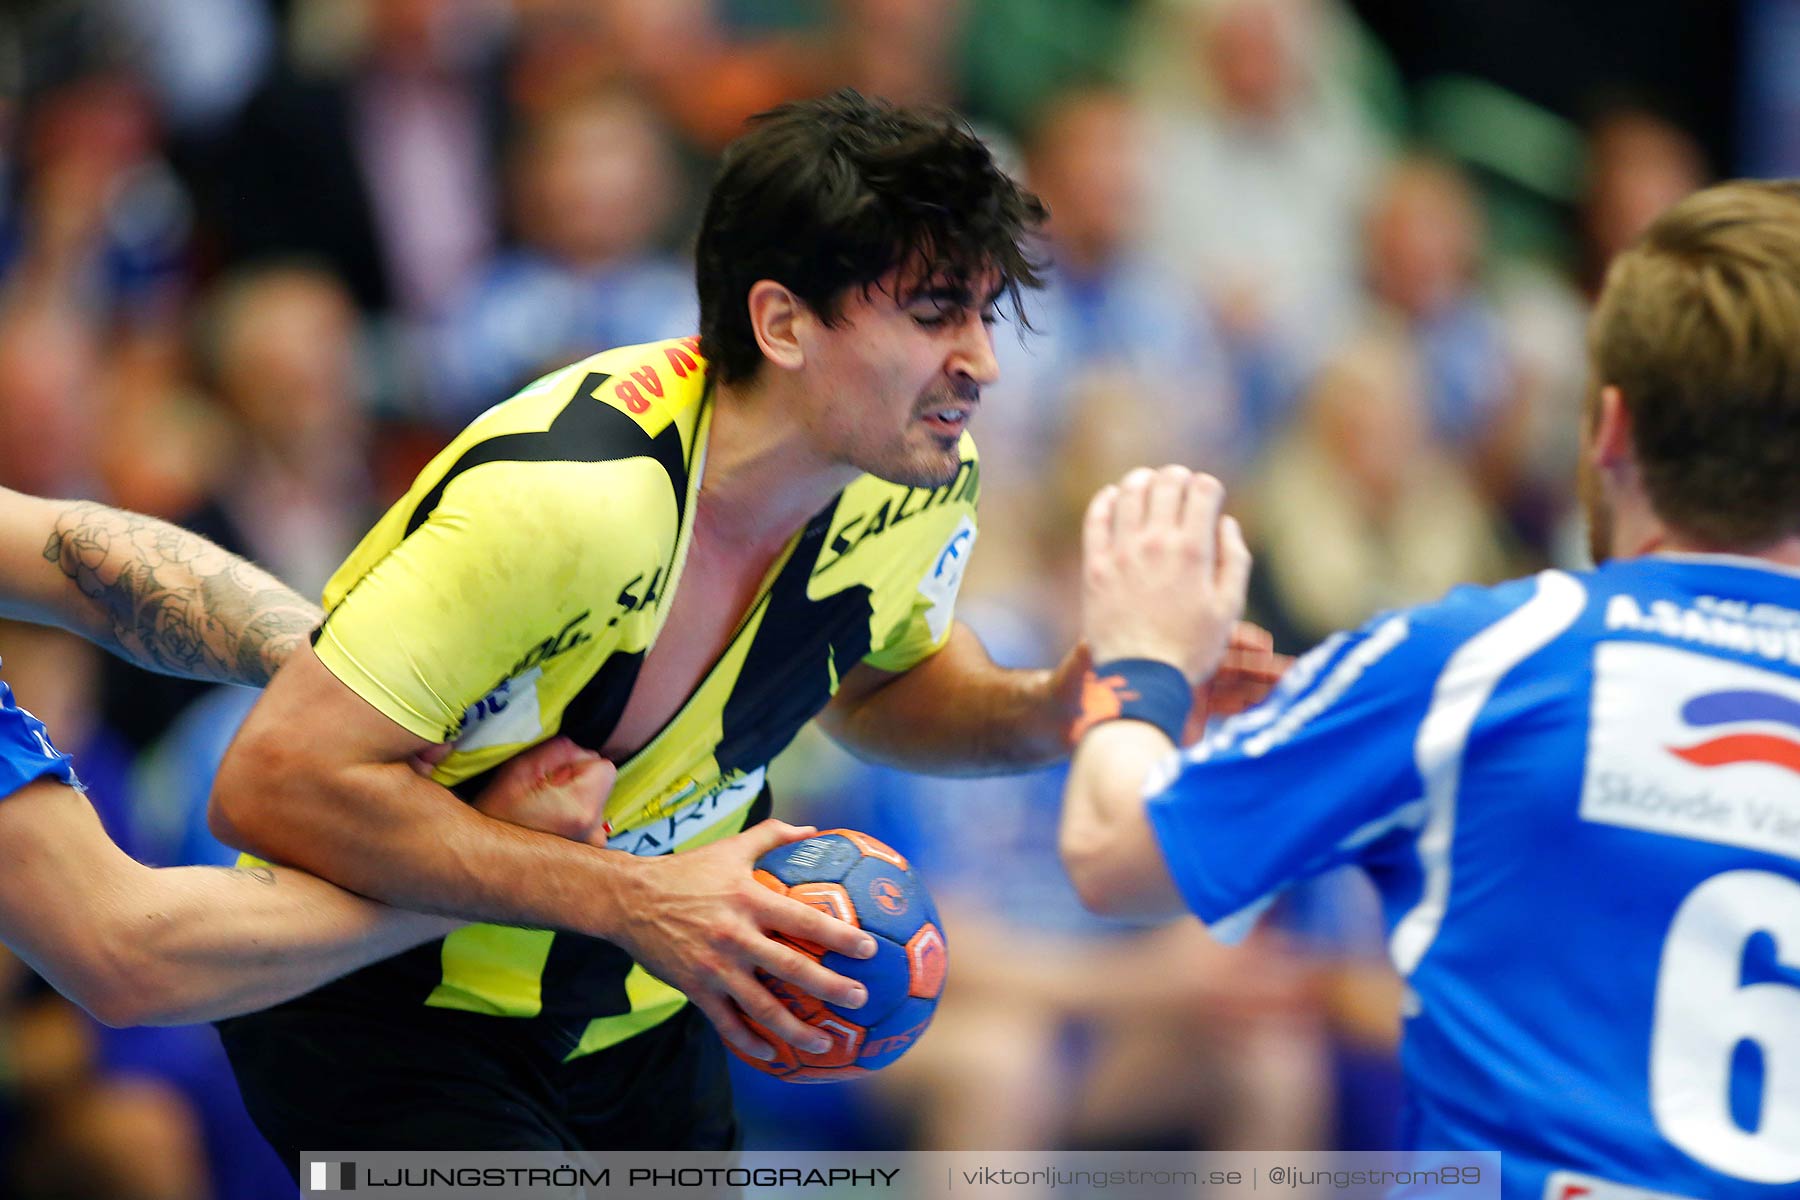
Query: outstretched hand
[
  {"x": 1164, "y": 573},
  {"x": 702, "y": 924}
]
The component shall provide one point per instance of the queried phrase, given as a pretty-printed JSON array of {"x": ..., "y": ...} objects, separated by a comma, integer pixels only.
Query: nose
[{"x": 973, "y": 357}]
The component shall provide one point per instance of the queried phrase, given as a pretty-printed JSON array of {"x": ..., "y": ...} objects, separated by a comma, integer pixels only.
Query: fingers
[
  {"x": 765, "y": 836},
  {"x": 557, "y": 788},
  {"x": 1234, "y": 561},
  {"x": 425, "y": 761},
  {"x": 731, "y": 1027},
  {"x": 762, "y": 1006},
  {"x": 1248, "y": 636},
  {"x": 1205, "y": 498},
  {"x": 591, "y": 780},
  {"x": 587, "y": 788},
  {"x": 1167, "y": 497},
  {"x": 801, "y": 921},
  {"x": 548, "y": 757},
  {"x": 1134, "y": 499},
  {"x": 812, "y": 977},
  {"x": 1096, "y": 527}
]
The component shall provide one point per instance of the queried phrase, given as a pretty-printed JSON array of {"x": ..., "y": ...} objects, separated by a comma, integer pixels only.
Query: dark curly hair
[{"x": 830, "y": 194}]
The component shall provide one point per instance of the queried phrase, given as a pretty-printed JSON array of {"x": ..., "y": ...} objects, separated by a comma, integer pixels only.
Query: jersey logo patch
[
  {"x": 690, "y": 820},
  {"x": 1739, "y": 707},
  {"x": 1696, "y": 746},
  {"x": 506, "y": 716},
  {"x": 940, "y": 587}
]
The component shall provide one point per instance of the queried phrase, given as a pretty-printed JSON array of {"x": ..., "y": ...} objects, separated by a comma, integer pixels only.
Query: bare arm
[
  {"x": 153, "y": 593},
  {"x": 1108, "y": 847},
  {"x": 957, "y": 713},
  {"x": 1163, "y": 578},
  {"x": 320, "y": 779},
  {"x": 136, "y": 945}
]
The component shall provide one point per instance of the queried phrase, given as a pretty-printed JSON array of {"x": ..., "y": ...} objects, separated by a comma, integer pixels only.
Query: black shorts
[{"x": 321, "y": 1080}]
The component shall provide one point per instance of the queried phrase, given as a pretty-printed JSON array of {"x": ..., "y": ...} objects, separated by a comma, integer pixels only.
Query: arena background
[{"x": 259, "y": 258}]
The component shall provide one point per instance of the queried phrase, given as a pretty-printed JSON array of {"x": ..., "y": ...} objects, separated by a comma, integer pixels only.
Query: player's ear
[
  {"x": 774, "y": 316},
  {"x": 1612, "y": 444}
]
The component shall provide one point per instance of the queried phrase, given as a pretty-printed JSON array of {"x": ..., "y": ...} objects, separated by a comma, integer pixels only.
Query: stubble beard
[
  {"x": 937, "y": 464},
  {"x": 928, "y": 470}
]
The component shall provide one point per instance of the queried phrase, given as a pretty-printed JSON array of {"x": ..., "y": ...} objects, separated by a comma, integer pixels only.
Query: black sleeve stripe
[{"x": 586, "y": 430}]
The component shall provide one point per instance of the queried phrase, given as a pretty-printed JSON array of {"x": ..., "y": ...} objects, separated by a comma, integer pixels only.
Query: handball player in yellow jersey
[{"x": 676, "y": 555}]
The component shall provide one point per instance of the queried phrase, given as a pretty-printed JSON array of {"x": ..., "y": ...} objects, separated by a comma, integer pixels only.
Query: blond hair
[{"x": 1699, "y": 327}]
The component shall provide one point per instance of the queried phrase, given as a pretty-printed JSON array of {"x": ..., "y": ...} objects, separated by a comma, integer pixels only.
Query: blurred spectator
[
  {"x": 1422, "y": 252},
  {"x": 1637, "y": 165},
  {"x": 1112, "y": 328},
  {"x": 593, "y": 187},
  {"x": 292, "y": 490},
  {"x": 680, "y": 55},
  {"x": 282, "y": 349},
  {"x": 1017, "y": 54},
  {"x": 900, "y": 50},
  {"x": 203, "y": 57},
  {"x": 95, "y": 220},
  {"x": 374, "y": 155},
  {"x": 50, "y": 368},
  {"x": 1356, "y": 509},
  {"x": 1265, "y": 152}
]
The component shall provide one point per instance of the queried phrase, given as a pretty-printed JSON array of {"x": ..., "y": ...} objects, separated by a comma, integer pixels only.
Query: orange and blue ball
[{"x": 866, "y": 882}]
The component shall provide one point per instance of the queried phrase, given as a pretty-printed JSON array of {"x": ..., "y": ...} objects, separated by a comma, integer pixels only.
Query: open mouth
[{"x": 951, "y": 420}]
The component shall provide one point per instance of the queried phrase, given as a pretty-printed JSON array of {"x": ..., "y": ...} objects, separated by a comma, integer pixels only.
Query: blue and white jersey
[
  {"x": 26, "y": 754},
  {"x": 1579, "y": 797}
]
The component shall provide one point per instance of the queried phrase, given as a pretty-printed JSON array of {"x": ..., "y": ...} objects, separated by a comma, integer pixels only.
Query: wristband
[{"x": 1135, "y": 689}]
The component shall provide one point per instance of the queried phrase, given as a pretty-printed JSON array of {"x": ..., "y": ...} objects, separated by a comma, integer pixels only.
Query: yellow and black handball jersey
[{"x": 513, "y": 593}]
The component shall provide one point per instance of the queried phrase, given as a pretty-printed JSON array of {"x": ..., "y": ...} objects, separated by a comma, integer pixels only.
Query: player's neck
[
  {"x": 764, "y": 478},
  {"x": 1784, "y": 553},
  {"x": 1638, "y": 531}
]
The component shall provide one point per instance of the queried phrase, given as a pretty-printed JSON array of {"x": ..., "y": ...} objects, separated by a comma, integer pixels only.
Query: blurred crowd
[{"x": 260, "y": 258}]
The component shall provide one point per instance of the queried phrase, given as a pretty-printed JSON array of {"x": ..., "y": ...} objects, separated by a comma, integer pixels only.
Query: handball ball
[{"x": 867, "y": 883}]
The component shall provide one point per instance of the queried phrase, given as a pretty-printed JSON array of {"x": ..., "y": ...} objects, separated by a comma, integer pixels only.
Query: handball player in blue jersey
[
  {"x": 136, "y": 945},
  {"x": 1578, "y": 794}
]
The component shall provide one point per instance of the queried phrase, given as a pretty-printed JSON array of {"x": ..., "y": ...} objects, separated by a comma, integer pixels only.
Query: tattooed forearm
[{"x": 172, "y": 601}]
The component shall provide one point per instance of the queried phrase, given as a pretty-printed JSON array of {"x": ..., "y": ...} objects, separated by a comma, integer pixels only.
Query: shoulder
[
  {"x": 654, "y": 386},
  {"x": 1483, "y": 630},
  {"x": 1532, "y": 603},
  {"x": 635, "y": 410}
]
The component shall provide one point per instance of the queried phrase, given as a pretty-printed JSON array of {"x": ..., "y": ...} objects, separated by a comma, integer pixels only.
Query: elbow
[
  {"x": 153, "y": 999},
  {"x": 112, "y": 999},
  {"x": 1085, "y": 860},
  {"x": 124, "y": 1007},
  {"x": 118, "y": 985},
  {"x": 240, "y": 811}
]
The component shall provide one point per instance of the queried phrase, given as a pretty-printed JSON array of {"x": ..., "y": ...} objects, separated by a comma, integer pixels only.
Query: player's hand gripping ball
[{"x": 867, "y": 883}]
